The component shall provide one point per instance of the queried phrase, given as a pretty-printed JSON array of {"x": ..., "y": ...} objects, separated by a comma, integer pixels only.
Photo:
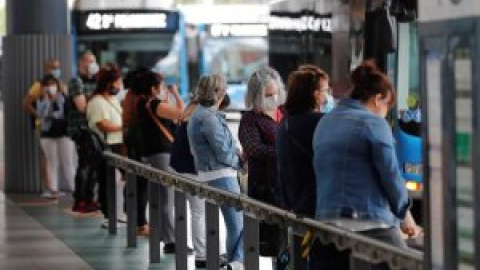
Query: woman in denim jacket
[
  {"x": 359, "y": 184},
  {"x": 217, "y": 157}
]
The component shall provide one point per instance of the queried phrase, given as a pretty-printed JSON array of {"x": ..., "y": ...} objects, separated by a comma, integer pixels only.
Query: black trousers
[
  {"x": 142, "y": 188},
  {"x": 390, "y": 236},
  {"x": 327, "y": 257},
  {"x": 102, "y": 180},
  {"x": 85, "y": 178}
]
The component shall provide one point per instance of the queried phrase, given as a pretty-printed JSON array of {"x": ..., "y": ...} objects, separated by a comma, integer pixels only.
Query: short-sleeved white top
[{"x": 98, "y": 109}]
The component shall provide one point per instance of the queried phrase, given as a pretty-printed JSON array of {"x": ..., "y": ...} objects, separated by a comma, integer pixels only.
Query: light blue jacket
[
  {"x": 356, "y": 168},
  {"x": 211, "y": 141}
]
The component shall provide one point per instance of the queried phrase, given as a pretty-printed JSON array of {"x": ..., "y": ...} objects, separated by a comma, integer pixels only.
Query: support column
[{"x": 36, "y": 31}]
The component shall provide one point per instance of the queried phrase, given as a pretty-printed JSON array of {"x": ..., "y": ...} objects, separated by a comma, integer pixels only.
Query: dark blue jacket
[{"x": 294, "y": 162}]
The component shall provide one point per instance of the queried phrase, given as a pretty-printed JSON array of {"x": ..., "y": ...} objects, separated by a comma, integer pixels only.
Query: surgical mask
[
  {"x": 329, "y": 104},
  {"x": 113, "y": 91},
  {"x": 162, "y": 94},
  {"x": 56, "y": 73},
  {"x": 52, "y": 90},
  {"x": 93, "y": 68},
  {"x": 270, "y": 103}
]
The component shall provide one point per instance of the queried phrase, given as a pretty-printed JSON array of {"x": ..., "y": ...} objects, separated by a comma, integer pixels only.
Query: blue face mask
[
  {"x": 113, "y": 91},
  {"x": 56, "y": 73},
  {"x": 329, "y": 104}
]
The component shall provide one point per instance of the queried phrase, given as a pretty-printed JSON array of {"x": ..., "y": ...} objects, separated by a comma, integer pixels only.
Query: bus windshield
[{"x": 408, "y": 97}]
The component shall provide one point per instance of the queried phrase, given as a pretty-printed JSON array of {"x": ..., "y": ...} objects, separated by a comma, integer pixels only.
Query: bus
[
  {"x": 231, "y": 40},
  {"x": 133, "y": 34}
]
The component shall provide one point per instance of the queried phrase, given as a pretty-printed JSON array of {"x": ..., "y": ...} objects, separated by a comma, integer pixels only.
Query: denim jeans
[{"x": 233, "y": 219}]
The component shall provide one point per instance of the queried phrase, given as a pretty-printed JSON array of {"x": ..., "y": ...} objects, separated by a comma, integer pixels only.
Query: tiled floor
[
  {"x": 85, "y": 239},
  {"x": 25, "y": 244},
  {"x": 39, "y": 234}
]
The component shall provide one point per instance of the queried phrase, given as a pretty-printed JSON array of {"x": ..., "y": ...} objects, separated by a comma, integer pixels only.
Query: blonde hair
[{"x": 210, "y": 89}]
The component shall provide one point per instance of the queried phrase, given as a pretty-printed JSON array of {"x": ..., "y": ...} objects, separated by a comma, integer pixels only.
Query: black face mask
[{"x": 113, "y": 91}]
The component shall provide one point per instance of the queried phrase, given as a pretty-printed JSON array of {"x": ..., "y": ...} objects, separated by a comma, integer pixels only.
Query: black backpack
[{"x": 91, "y": 145}]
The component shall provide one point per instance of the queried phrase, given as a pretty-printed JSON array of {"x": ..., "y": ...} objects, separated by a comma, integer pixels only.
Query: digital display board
[{"x": 114, "y": 21}]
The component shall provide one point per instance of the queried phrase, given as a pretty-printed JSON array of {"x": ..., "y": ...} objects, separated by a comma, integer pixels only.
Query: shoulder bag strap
[{"x": 161, "y": 126}]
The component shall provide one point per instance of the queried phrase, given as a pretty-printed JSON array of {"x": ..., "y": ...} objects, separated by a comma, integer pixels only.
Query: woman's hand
[
  {"x": 173, "y": 89},
  {"x": 410, "y": 227}
]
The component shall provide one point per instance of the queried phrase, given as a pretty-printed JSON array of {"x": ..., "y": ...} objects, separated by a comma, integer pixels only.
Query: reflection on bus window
[{"x": 236, "y": 58}]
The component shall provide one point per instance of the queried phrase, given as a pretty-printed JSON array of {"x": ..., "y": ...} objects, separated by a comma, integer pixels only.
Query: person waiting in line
[
  {"x": 182, "y": 162},
  {"x": 305, "y": 97},
  {"x": 104, "y": 115},
  {"x": 133, "y": 141},
  {"x": 156, "y": 118},
  {"x": 359, "y": 183},
  {"x": 257, "y": 134},
  {"x": 325, "y": 101},
  {"x": 81, "y": 89},
  {"x": 217, "y": 157},
  {"x": 51, "y": 67},
  {"x": 50, "y": 109}
]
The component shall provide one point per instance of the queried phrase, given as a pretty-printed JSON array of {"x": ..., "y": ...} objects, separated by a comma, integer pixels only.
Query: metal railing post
[
  {"x": 181, "y": 247},
  {"x": 251, "y": 242},
  {"x": 111, "y": 198},
  {"x": 213, "y": 245},
  {"x": 154, "y": 202},
  {"x": 131, "y": 210}
]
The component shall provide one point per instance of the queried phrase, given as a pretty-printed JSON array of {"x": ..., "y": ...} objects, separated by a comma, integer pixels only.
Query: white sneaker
[
  {"x": 120, "y": 224},
  {"x": 235, "y": 265},
  {"x": 46, "y": 194},
  {"x": 122, "y": 218}
]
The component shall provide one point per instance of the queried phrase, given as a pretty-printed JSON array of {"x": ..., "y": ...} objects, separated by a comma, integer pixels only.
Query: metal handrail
[{"x": 362, "y": 247}]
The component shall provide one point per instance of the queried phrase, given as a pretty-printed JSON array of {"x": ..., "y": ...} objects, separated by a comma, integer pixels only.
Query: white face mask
[
  {"x": 270, "y": 103},
  {"x": 56, "y": 72},
  {"x": 93, "y": 68},
  {"x": 52, "y": 90}
]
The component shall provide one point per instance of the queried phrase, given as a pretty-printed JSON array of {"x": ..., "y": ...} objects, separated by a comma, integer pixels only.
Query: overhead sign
[
  {"x": 238, "y": 30},
  {"x": 300, "y": 22},
  {"x": 126, "y": 20}
]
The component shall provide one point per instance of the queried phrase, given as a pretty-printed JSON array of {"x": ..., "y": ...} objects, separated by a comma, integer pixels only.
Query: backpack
[{"x": 91, "y": 145}]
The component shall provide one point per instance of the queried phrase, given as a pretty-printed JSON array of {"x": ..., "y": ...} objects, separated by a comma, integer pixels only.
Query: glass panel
[{"x": 463, "y": 143}]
